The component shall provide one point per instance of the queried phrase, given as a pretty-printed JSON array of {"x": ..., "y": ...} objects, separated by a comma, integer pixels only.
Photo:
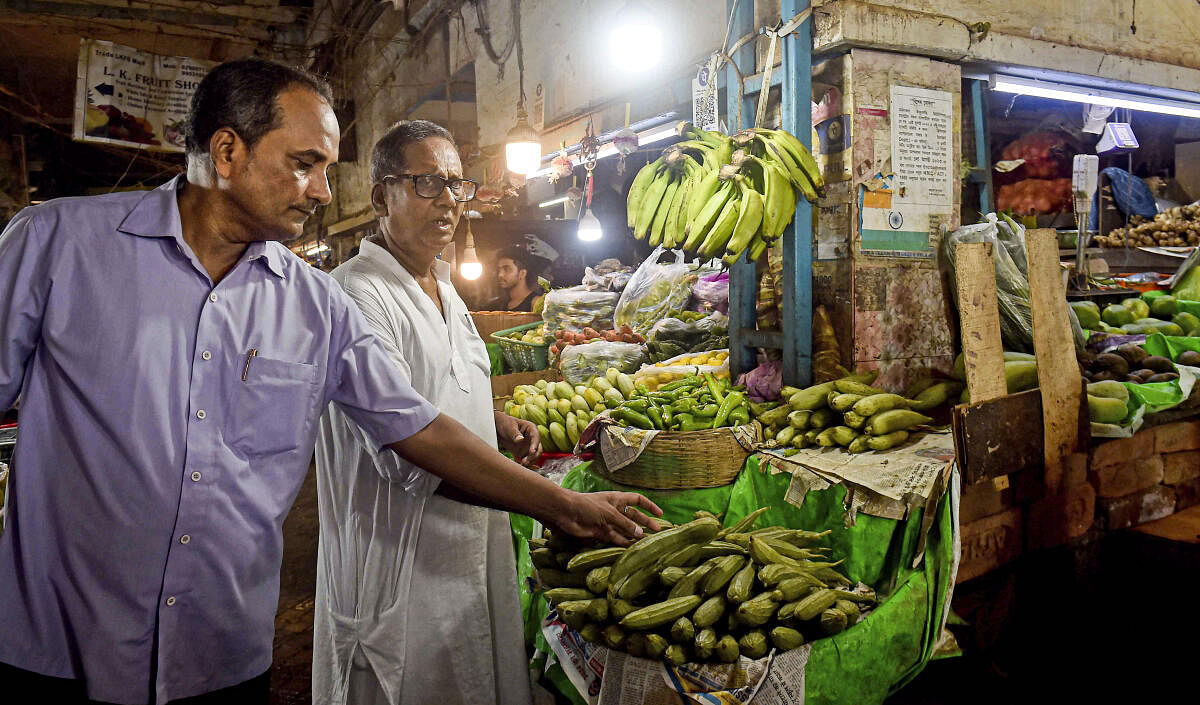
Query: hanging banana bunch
[{"x": 717, "y": 196}]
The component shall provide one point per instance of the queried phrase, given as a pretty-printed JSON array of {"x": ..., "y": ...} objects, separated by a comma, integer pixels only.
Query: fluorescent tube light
[
  {"x": 1094, "y": 96},
  {"x": 608, "y": 150},
  {"x": 552, "y": 202}
]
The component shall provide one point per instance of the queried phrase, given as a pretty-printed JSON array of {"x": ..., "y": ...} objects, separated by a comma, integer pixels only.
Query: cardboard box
[{"x": 488, "y": 322}]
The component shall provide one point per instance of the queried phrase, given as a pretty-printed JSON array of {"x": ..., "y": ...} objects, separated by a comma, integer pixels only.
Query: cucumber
[
  {"x": 844, "y": 402},
  {"x": 812, "y": 398},
  {"x": 869, "y": 406},
  {"x": 889, "y": 440},
  {"x": 1110, "y": 389},
  {"x": 936, "y": 395},
  {"x": 1106, "y": 409},
  {"x": 1020, "y": 375},
  {"x": 849, "y": 386},
  {"x": 894, "y": 420}
]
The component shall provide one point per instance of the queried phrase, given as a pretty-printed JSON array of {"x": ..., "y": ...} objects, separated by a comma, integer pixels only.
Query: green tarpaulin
[{"x": 865, "y": 663}]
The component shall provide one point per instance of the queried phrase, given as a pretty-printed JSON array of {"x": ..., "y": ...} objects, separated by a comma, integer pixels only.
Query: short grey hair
[{"x": 387, "y": 158}]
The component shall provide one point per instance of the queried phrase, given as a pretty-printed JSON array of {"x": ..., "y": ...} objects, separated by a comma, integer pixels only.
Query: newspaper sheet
[{"x": 882, "y": 484}]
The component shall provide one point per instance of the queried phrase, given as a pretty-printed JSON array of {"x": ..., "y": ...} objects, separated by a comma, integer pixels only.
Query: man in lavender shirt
[{"x": 172, "y": 360}]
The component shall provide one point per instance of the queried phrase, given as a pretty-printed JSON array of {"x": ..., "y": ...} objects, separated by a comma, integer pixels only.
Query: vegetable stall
[{"x": 945, "y": 411}]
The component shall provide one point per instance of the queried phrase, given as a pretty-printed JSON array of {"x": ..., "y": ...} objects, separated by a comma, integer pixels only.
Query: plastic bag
[
  {"x": 764, "y": 382},
  {"x": 711, "y": 293},
  {"x": 580, "y": 363},
  {"x": 770, "y": 290},
  {"x": 1012, "y": 286},
  {"x": 605, "y": 281},
  {"x": 1185, "y": 283},
  {"x": 827, "y": 357},
  {"x": 577, "y": 308},
  {"x": 675, "y": 336},
  {"x": 715, "y": 362},
  {"x": 1132, "y": 195},
  {"x": 654, "y": 291}
]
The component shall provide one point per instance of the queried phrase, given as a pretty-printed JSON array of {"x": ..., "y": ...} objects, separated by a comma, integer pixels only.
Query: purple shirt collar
[{"x": 157, "y": 215}]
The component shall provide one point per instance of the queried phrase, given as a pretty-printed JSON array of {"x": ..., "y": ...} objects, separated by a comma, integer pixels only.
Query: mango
[
  {"x": 1188, "y": 322},
  {"x": 1163, "y": 307},
  {"x": 1137, "y": 307},
  {"x": 1088, "y": 314},
  {"x": 1117, "y": 315}
]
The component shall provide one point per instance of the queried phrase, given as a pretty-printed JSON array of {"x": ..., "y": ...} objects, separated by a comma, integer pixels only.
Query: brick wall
[{"x": 1117, "y": 484}]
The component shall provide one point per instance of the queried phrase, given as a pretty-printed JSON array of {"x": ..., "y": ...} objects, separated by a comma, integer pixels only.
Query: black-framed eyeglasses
[{"x": 431, "y": 185}]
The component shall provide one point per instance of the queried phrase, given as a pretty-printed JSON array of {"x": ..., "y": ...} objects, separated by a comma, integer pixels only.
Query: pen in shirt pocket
[{"x": 249, "y": 356}]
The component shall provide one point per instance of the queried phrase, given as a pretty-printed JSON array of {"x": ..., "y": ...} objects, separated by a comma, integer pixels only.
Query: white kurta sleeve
[{"x": 390, "y": 330}]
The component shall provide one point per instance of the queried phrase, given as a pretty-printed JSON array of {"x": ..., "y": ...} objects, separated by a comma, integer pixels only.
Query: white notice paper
[{"x": 922, "y": 151}]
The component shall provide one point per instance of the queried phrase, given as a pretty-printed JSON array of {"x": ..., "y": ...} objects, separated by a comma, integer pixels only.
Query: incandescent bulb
[{"x": 589, "y": 227}]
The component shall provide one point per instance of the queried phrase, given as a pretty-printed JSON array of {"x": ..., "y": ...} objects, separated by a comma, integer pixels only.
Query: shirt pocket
[{"x": 272, "y": 408}]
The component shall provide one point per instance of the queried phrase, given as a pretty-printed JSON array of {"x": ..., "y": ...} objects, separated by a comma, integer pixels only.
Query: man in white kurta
[{"x": 416, "y": 592}]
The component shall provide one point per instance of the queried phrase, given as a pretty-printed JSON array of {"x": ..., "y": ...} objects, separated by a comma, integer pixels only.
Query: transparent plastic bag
[
  {"x": 674, "y": 336},
  {"x": 711, "y": 293},
  {"x": 655, "y": 291},
  {"x": 580, "y": 363},
  {"x": 605, "y": 281},
  {"x": 715, "y": 362},
  {"x": 1012, "y": 286},
  {"x": 577, "y": 308}
]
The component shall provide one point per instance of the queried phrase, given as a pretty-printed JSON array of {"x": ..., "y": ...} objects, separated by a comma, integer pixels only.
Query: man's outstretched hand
[{"x": 612, "y": 517}]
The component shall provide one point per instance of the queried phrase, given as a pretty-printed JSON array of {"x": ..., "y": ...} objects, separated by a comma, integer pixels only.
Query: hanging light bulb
[
  {"x": 589, "y": 227},
  {"x": 470, "y": 268},
  {"x": 522, "y": 149}
]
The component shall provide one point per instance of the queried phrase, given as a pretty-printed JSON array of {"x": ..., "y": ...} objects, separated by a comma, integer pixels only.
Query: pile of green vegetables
[
  {"x": 1138, "y": 316},
  {"x": 682, "y": 333},
  {"x": 699, "y": 592},
  {"x": 850, "y": 413},
  {"x": 692, "y": 403}
]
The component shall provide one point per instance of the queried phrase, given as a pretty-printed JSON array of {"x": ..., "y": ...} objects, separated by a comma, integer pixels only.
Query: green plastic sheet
[
  {"x": 867, "y": 662},
  {"x": 1182, "y": 306},
  {"x": 496, "y": 358}
]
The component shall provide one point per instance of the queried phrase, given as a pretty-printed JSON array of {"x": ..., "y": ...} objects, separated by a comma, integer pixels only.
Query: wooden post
[
  {"x": 983, "y": 352},
  {"x": 1058, "y": 370}
]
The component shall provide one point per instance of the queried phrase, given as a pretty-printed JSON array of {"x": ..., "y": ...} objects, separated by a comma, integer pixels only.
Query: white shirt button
[
  {"x": 206, "y": 355},
  {"x": 171, "y": 601},
  {"x": 212, "y": 297},
  {"x": 185, "y": 539},
  {"x": 201, "y": 414},
  {"x": 196, "y": 476}
]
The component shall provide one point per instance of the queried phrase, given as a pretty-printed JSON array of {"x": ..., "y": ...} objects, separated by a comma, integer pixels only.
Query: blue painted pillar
[
  {"x": 742, "y": 284},
  {"x": 797, "y": 305}
]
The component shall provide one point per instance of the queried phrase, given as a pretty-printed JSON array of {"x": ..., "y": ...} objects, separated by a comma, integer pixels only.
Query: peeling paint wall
[
  {"x": 1156, "y": 45},
  {"x": 566, "y": 54},
  {"x": 1166, "y": 30}
]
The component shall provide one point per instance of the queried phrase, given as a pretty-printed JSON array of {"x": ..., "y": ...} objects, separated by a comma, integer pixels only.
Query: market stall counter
[{"x": 896, "y": 540}]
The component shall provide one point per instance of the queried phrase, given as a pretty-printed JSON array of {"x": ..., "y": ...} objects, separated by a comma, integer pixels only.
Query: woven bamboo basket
[{"x": 677, "y": 460}]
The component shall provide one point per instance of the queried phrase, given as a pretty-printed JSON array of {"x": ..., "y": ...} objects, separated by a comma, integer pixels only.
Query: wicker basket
[
  {"x": 677, "y": 460},
  {"x": 521, "y": 356}
]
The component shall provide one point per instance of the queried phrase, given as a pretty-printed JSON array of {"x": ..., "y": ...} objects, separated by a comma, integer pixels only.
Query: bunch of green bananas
[{"x": 716, "y": 195}]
